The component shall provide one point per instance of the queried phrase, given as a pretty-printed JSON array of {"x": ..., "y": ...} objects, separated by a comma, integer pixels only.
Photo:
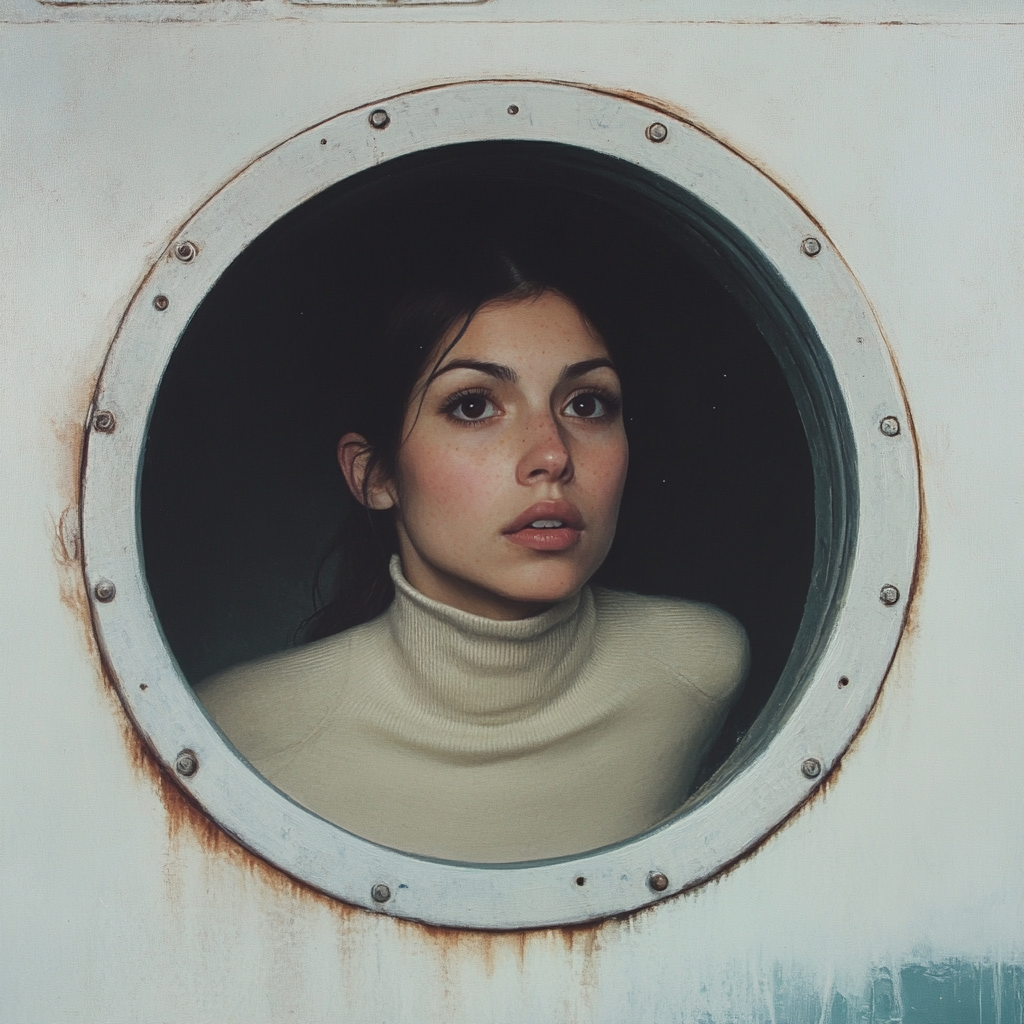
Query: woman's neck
[
  {"x": 456, "y": 592},
  {"x": 461, "y": 664}
]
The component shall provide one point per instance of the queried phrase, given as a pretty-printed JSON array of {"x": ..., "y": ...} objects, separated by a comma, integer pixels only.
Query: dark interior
[{"x": 241, "y": 495}]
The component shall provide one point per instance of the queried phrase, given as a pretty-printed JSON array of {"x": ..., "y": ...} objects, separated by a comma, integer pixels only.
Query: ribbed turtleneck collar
[{"x": 470, "y": 667}]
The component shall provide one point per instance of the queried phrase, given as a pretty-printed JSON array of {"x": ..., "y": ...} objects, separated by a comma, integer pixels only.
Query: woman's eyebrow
[
  {"x": 497, "y": 370},
  {"x": 574, "y": 370}
]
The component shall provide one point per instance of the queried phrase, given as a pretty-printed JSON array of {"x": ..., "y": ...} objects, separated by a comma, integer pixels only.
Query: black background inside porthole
[{"x": 241, "y": 494}]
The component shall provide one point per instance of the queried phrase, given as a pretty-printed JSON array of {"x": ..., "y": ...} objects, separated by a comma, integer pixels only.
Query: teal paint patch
[
  {"x": 947, "y": 992},
  {"x": 794, "y": 1001},
  {"x": 885, "y": 1001},
  {"x": 959, "y": 993}
]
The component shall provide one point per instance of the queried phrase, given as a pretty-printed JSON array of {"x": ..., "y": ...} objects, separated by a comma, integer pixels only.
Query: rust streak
[
  {"x": 456, "y": 941},
  {"x": 187, "y": 821},
  {"x": 67, "y": 541}
]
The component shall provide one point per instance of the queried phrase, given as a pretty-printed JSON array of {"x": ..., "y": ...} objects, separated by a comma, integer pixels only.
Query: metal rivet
[
  {"x": 890, "y": 426},
  {"x": 379, "y": 119},
  {"x": 657, "y": 881},
  {"x": 380, "y": 893},
  {"x": 811, "y": 246},
  {"x": 161, "y": 302},
  {"x": 657, "y": 132},
  {"x": 104, "y": 421},
  {"x": 513, "y": 109},
  {"x": 889, "y": 594},
  {"x": 811, "y": 767},
  {"x": 186, "y": 763},
  {"x": 844, "y": 681},
  {"x": 323, "y": 142},
  {"x": 104, "y": 591},
  {"x": 186, "y": 252}
]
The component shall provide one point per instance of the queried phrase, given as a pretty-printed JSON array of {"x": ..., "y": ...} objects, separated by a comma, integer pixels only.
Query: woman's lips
[{"x": 546, "y": 526}]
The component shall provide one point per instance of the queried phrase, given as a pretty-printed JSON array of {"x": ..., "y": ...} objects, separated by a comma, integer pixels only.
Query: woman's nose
[{"x": 546, "y": 456}]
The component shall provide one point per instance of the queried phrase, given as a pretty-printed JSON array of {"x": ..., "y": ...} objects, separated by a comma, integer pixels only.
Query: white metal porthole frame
[{"x": 842, "y": 665}]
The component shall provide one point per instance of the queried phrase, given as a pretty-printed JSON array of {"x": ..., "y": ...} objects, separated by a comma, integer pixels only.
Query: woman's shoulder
[
  {"x": 698, "y": 642},
  {"x": 274, "y": 702}
]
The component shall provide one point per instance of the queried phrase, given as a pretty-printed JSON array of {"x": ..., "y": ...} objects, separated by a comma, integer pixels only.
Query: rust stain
[
  {"x": 910, "y": 618},
  {"x": 455, "y": 948},
  {"x": 660, "y": 106},
  {"x": 187, "y": 821},
  {"x": 67, "y": 535},
  {"x": 583, "y": 938}
]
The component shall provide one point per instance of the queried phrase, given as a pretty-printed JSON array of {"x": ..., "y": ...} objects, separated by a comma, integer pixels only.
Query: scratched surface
[{"x": 896, "y": 897}]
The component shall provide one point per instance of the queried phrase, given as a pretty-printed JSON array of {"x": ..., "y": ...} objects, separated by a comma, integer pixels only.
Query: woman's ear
[{"x": 353, "y": 455}]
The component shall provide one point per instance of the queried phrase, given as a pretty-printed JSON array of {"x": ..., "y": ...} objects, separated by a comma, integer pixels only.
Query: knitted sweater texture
[{"x": 447, "y": 734}]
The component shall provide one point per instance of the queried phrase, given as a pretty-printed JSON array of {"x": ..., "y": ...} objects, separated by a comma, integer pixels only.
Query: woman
[{"x": 495, "y": 708}]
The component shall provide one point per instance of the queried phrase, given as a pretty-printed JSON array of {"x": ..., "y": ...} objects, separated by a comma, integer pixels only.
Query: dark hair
[{"x": 397, "y": 352}]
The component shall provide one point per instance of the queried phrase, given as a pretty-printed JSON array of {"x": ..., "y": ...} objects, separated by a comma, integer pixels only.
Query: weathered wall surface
[{"x": 897, "y": 895}]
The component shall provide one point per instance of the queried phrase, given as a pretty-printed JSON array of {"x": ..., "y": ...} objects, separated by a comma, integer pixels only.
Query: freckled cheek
[
  {"x": 601, "y": 470},
  {"x": 445, "y": 488}
]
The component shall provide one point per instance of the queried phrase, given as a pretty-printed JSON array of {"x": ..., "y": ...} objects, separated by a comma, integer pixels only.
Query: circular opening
[
  {"x": 766, "y": 420},
  {"x": 242, "y": 497}
]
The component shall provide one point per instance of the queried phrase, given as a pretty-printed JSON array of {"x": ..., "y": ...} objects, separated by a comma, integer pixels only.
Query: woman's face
[{"x": 509, "y": 477}]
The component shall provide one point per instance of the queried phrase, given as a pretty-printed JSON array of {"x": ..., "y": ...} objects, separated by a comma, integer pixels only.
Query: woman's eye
[
  {"x": 472, "y": 407},
  {"x": 586, "y": 406}
]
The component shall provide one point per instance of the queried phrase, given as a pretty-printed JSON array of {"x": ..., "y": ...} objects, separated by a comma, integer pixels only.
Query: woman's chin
[
  {"x": 520, "y": 587},
  {"x": 545, "y": 585}
]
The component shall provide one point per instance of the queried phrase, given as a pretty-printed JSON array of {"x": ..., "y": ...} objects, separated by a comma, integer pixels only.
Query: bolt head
[
  {"x": 104, "y": 591},
  {"x": 186, "y": 763},
  {"x": 889, "y": 594},
  {"x": 513, "y": 109},
  {"x": 810, "y": 246},
  {"x": 186, "y": 252},
  {"x": 657, "y": 881},
  {"x": 657, "y": 132},
  {"x": 380, "y": 893},
  {"x": 890, "y": 426},
  {"x": 811, "y": 768},
  {"x": 103, "y": 421},
  {"x": 379, "y": 119},
  {"x": 161, "y": 302}
]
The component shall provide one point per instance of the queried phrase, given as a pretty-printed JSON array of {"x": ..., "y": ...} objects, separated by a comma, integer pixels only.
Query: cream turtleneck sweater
[{"x": 451, "y": 735}]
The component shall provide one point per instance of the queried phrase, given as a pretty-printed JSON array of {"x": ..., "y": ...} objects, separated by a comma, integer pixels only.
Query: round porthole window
[{"x": 772, "y": 467}]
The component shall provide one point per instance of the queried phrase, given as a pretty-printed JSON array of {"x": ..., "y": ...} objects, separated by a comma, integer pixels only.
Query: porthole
[{"x": 838, "y": 423}]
